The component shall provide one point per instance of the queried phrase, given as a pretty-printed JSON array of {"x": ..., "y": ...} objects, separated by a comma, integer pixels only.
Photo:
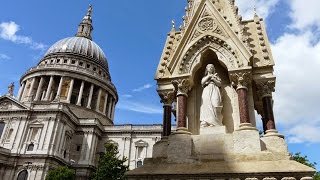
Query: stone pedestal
[
  {"x": 180, "y": 148},
  {"x": 274, "y": 143},
  {"x": 160, "y": 148},
  {"x": 213, "y": 130},
  {"x": 246, "y": 141}
]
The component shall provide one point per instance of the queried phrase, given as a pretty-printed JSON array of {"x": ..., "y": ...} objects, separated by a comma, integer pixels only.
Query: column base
[
  {"x": 273, "y": 132},
  {"x": 246, "y": 126},
  {"x": 182, "y": 130}
]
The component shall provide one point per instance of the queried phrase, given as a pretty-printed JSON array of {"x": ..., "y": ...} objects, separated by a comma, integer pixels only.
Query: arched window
[{"x": 23, "y": 175}]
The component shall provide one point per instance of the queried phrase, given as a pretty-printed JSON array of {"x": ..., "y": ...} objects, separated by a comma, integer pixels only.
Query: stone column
[
  {"x": 182, "y": 88},
  {"x": 105, "y": 104},
  {"x": 21, "y": 90},
  {"x": 110, "y": 107},
  {"x": 264, "y": 90},
  {"x": 80, "y": 94},
  {"x": 30, "y": 93},
  {"x": 38, "y": 94},
  {"x": 167, "y": 98},
  {"x": 57, "y": 98},
  {"x": 70, "y": 90},
  {"x": 113, "y": 109},
  {"x": 99, "y": 99},
  {"x": 49, "y": 89},
  {"x": 90, "y": 96},
  {"x": 241, "y": 79}
]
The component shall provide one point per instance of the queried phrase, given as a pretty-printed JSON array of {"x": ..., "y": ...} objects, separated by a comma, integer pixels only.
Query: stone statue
[
  {"x": 211, "y": 105},
  {"x": 10, "y": 89}
]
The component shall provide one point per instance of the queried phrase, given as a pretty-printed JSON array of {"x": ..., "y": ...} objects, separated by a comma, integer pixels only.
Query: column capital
[
  {"x": 167, "y": 97},
  {"x": 241, "y": 78},
  {"x": 265, "y": 87},
  {"x": 182, "y": 86}
]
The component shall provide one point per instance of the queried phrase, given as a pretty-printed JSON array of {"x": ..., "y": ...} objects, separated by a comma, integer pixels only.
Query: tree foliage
[
  {"x": 304, "y": 160},
  {"x": 110, "y": 166},
  {"x": 61, "y": 173}
]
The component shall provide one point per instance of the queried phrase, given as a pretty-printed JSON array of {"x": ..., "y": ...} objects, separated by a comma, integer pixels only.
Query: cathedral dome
[
  {"x": 80, "y": 46},
  {"x": 74, "y": 71}
]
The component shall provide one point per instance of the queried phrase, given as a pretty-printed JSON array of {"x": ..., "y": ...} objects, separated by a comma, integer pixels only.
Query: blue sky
[{"x": 132, "y": 35}]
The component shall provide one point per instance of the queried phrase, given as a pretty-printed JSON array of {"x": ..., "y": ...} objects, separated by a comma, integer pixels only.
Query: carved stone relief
[
  {"x": 5, "y": 105},
  {"x": 241, "y": 79},
  {"x": 207, "y": 24}
]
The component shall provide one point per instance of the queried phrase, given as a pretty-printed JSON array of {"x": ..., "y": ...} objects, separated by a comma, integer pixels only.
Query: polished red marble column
[
  {"x": 268, "y": 113},
  {"x": 182, "y": 111},
  {"x": 166, "y": 120},
  {"x": 167, "y": 98},
  {"x": 182, "y": 89},
  {"x": 243, "y": 105}
]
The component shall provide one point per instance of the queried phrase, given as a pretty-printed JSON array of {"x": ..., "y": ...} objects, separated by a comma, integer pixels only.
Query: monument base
[
  {"x": 245, "y": 170},
  {"x": 213, "y": 130},
  {"x": 242, "y": 154}
]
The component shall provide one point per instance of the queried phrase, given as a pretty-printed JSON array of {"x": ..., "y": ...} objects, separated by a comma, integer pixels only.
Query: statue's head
[{"x": 210, "y": 68}]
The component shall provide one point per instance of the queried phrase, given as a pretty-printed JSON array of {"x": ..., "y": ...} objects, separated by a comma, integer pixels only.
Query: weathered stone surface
[
  {"x": 246, "y": 141},
  {"x": 274, "y": 144},
  {"x": 213, "y": 130},
  {"x": 160, "y": 149},
  {"x": 180, "y": 148},
  {"x": 223, "y": 169}
]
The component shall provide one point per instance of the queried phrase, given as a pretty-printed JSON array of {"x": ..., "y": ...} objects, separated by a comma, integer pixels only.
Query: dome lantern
[{"x": 85, "y": 27}]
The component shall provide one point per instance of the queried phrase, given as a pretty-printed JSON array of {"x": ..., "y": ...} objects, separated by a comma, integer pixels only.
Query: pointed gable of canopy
[{"x": 207, "y": 27}]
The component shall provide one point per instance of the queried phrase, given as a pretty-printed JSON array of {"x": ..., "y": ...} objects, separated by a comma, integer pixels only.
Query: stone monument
[{"x": 218, "y": 70}]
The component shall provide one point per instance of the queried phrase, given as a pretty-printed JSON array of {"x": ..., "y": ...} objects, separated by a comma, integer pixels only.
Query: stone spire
[{"x": 85, "y": 27}]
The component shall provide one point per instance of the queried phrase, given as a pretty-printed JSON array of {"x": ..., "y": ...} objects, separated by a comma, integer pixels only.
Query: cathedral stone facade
[{"x": 64, "y": 112}]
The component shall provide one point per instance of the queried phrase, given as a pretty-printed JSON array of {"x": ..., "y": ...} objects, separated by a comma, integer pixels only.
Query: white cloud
[
  {"x": 304, "y": 133},
  {"x": 4, "y": 57},
  {"x": 8, "y": 31},
  {"x": 297, "y": 92},
  {"x": 297, "y": 69},
  {"x": 264, "y": 7},
  {"x": 305, "y": 14},
  {"x": 127, "y": 96},
  {"x": 139, "y": 107},
  {"x": 139, "y": 89}
]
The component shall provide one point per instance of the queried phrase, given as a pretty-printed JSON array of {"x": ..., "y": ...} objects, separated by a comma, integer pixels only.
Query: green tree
[
  {"x": 110, "y": 166},
  {"x": 61, "y": 173},
  {"x": 304, "y": 160}
]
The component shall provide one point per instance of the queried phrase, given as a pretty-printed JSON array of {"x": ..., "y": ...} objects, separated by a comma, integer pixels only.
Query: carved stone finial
[
  {"x": 10, "y": 89},
  {"x": 167, "y": 97},
  {"x": 173, "y": 24},
  {"x": 241, "y": 79},
  {"x": 89, "y": 10},
  {"x": 182, "y": 86}
]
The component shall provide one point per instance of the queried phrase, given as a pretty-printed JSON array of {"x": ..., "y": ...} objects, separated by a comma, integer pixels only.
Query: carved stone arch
[
  {"x": 197, "y": 63},
  {"x": 226, "y": 54}
]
